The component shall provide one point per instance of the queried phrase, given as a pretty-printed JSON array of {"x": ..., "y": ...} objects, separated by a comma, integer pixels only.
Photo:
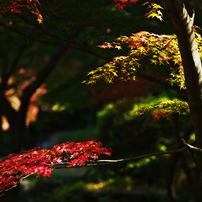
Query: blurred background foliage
[{"x": 71, "y": 110}]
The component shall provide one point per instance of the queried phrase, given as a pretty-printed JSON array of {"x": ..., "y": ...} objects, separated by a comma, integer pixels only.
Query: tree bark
[{"x": 183, "y": 25}]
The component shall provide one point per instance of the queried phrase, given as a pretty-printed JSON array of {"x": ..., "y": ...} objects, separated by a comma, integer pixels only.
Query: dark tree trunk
[
  {"x": 183, "y": 25},
  {"x": 18, "y": 125}
]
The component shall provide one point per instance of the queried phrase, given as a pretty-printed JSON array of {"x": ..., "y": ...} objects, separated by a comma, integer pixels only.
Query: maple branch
[
  {"x": 79, "y": 46},
  {"x": 20, "y": 181},
  {"x": 16, "y": 167},
  {"x": 15, "y": 30},
  {"x": 106, "y": 162},
  {"x": 161, "y": 82},
  {"x": 193, "y": 149},
  {"x": 32, "y": 39},
  {"x": 68, "y": 39},
  {"x": 83, "y": 48}
]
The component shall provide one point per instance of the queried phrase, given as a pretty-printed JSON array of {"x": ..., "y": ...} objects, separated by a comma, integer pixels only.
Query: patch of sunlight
[
  {"x": 162, "y": 147},
  {"x": 104, "y": 111},
  {"x": 128, "y": 188},
  {"x": 96, "y": 186},
  {"x": 165, "y": 140},
  {"x": 129, "y": 115},
  {"x": 192, "y": 137},
  {"x": 108, "y": 30},
  {"x": 129, "y": 183},
  {"x": 131, "y": 165},
  {"x": 58, "y": 107},
  {"x": 150, "y": 100},
  {"x": 142, "y": 162},
  {"x": 153, "y": 157}
]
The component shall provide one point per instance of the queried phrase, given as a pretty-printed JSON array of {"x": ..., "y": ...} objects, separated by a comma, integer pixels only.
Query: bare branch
[
  {"x": 12, "y": 29},
  {"x": 69, "y": 39},
  {"x": 104, "y": 162}
]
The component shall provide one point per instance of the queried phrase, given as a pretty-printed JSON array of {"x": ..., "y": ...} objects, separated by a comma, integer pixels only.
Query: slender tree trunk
[{"x": 183, "y": 25}]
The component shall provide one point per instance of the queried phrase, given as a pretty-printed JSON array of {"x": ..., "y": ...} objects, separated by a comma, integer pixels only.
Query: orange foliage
[
  {"x": 24, "y": 77},
  {"x": 5, "y": 125},
  {"x": 18, "y": 6},
  {"x": 31, "y": 113}
]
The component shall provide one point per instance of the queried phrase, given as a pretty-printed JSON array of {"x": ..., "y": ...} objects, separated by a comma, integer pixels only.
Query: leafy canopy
[
  {"x": 146, "y": 50},
  {"x": 157, "y": 49}
]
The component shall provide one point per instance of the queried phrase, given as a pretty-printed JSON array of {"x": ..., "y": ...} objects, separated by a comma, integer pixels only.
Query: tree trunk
[
  {"x": 18, "y": 126},
  {"x": 183, "y": 25}
]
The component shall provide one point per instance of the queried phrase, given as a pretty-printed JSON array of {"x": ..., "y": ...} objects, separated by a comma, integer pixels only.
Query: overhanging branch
[{"x": 106, "y": 162}]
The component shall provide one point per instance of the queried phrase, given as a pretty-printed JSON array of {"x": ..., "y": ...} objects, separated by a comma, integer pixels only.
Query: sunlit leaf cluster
[
  {"x": 166, "y": 109},
  {"x": 155, "y": 11},
  {"x": 143, "y": 46},
  {"x": 43, "y": 161},
  {"x": 157, "y": 49}
]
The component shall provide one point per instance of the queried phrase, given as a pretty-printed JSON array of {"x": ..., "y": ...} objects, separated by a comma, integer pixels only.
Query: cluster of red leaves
[
  {"x": 17, "y": 6},
  {"x": 120, "y": 4},
  {"x": 43, "y": 161},
  {"x": 160, "y": 114}
]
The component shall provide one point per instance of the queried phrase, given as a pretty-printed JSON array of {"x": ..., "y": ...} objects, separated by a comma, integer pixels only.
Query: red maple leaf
[
  {"x": 156, "y": 116},
  {"x": 159, "y": 114},
  {"x": 123, "y": 3},
  {"x": 133, "y": 1},
  {"x": 119, "y": 6}
]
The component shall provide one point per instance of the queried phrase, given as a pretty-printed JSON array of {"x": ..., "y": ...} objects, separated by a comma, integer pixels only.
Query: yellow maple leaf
[{"x": 40, "y": 20}]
